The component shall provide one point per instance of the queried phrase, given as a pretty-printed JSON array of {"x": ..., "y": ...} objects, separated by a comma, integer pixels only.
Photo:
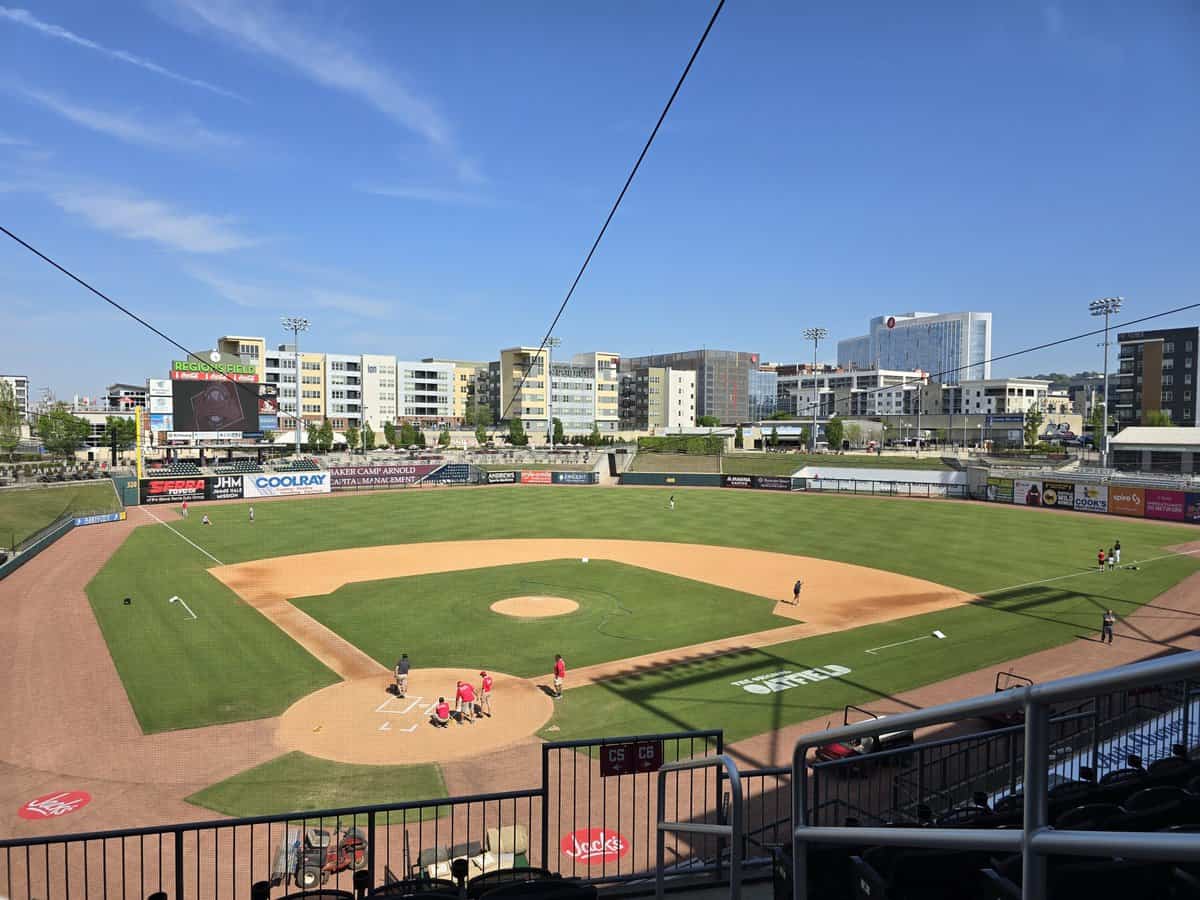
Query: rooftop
[{"x": 1162, "y": 438}]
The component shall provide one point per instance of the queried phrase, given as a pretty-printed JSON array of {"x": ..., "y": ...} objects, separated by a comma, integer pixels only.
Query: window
[
  {"x": 1168, "y": 396},
  {"x": 1169, "y": 347}
]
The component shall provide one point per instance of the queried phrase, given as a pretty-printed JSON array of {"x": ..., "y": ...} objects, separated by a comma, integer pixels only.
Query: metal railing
[
  {"x": 886, "y": 488},
  {"x": 1034, "y": 840},
  {"x": 733, "y": 831}
]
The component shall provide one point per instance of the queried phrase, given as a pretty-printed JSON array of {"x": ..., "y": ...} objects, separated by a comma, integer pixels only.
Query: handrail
[
  {"x": 733, "y": 831},
  {"x": 1035, "y": 838}
]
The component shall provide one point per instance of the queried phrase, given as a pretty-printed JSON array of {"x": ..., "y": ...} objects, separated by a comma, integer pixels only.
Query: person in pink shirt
[
  {"x": 466, "y": 703},
  {"x": 183, "y": 509},
  {"x": 560, "y": 674},
  {"x": 485, "y": 694},
  {"x": 441, "y": 713}
]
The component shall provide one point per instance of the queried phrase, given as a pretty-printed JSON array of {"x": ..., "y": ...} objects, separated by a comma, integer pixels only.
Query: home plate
[{"x": 585, "y": 559}]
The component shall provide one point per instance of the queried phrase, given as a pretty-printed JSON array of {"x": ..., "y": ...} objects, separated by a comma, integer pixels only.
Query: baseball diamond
[{"x": 675, "y": 622}]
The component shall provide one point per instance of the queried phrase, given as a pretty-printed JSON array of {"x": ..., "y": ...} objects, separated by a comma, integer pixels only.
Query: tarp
[{"x": 906, "y": 476}]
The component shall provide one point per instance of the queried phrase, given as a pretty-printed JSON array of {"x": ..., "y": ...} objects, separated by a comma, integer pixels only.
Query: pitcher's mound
[{"x": 534, "y": 607}]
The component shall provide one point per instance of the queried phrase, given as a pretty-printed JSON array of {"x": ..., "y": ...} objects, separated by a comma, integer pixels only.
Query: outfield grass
[
  {"x": 675, "y": 462},
  {"x": 233, "y": 664},
  {"x": 26, "y": 510},
  {"x": 1007, "y": 625},
  {"x": 296, "y": 782},
  {"x": 623, "y": 611},
  {"x": 226, "y": 665}
]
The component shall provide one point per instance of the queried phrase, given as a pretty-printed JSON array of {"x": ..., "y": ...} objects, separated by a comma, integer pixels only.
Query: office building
[
  {"x": 722, "y": 379},
  {"x": 1157, "y": 373},
  {"x": 657, "y": 398},
  {"x": 20, "y": 387},
  {"x": 850, "y": 392},
  {"x": 952, "y": 347},
  {"x": 764, "y": 388}
]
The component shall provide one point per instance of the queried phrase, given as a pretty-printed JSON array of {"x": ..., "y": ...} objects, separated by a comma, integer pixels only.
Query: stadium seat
[
  {"x": 1158, "y": 807},
  {"x": 551, "y": 889},
  {"x": 1087, "y": 880},
  {"x": 1089, "y": 817},
  {"x": 900, "y": 873},
  {"x": 480, "y": 884},
  {"x": 425, "y": 887}
]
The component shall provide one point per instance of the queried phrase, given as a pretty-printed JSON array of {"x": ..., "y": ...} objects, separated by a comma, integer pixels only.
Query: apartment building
[
  {"x": 657, "y": 398},
  {"x": 1157, "y": 373},
  {"x": 379, "y": 392},
  {"x": 848, "y": 392},
  {"x": 466, "y": 376},
  {"x": 343, "y": 390},
  {"x": 20, "y": 387},
  {"x": 996, "y": 396},
  {"x": 606, "y": 407},
  {"x": 722, "y": 379},
  {"x": 425, "y": 392}
]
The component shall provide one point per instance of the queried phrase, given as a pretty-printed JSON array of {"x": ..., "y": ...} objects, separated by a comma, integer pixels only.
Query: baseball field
[{"x": 251, "y": 660}]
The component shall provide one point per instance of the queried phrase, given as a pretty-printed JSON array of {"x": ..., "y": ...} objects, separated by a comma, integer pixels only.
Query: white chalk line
[
  {"x": 923, "y": 637},
  {"x": 1083, "y": 572},
  {"x": 185, "y": 606},
  {"x": 189, "y": 540}
]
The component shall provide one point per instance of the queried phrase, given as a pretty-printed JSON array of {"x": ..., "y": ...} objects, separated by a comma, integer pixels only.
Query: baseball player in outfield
[
  {"x": 1116, "y": 552},
  {"x": 485, "y": 694},
  {"x": 560, "y": 675}
]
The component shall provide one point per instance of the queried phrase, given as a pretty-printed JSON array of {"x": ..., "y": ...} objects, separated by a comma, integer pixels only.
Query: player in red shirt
[
  {"x": 485, "y": 694},
  {"x": 466, "y": 703},
  {"x": 1100, "y": 558},
  {"x": 441, "y": 713},
  {"x": 560, "y": 674}
]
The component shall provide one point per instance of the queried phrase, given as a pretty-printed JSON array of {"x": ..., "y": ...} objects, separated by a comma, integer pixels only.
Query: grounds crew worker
[
  {"x": 1106, "y": 630},
  {"x": 402, "y": 668}
]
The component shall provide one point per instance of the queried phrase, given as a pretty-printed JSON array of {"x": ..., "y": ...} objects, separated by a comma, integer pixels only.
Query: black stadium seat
[
  {"x": 1088, "y": 880},
  {"x": 552, "y": 889},
  {"x": 480, "y": 884},
  {"x": 1089, "y": 817},
  {"x": 901, "y": 873}
]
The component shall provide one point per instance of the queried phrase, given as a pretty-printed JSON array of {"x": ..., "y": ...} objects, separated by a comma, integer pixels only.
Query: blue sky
[{"x": 425, "y": 179}]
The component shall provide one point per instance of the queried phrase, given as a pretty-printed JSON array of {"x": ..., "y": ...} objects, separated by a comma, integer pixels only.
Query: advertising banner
[
  {"x": 193, "y": 370},
  {"x": 269, "y": 423},
  {"x": 160, "y": 405},
  {"x": 1091, "y": 497},
  {"x": 285, "y": 485},
  {"x": 771, "y": 482},
  {"x": 1027, "y": 493},
  {"x": 573, "y": 477},
  {"x": 535, "y": 477},
  {"x": 1165, "y": 505},
  {"x": 1000, "y": 490},
  {"x": 1127, "y": 501},
  {"x": 1059, "y": 494},
  {"x": 1191, "y": 512},
  {"x": 162, "y": 423},
  {"x": 171, "y": 490},
  {"x": 99, "y": 519},
  {"x": 736, "y": 481},
  {"x": 160, "y": 387},
  {"x": 503, "y": 477},
  {"x": 224, "y": 487},
  {"x": 378, "y": 476},
  {"x": 181, "y": 437},
  {"x": 208, "y": 406},
  {"x": 268, "y": 400}
]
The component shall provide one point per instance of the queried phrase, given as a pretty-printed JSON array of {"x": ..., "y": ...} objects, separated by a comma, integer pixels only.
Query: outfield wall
[
  {"x": 699, "y": 479},
  {"x": 1063, "y": 492}
]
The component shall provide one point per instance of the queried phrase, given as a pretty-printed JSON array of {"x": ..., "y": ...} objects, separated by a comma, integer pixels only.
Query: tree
[
  {"x": 269, "y": 436},
  {"x": 10, "y": 419},
  {"x": 444, "y": 438},
  {"x": 853, "y": 433},
  {"x": 389, "y": 433},
  {"x": 708, "y": 421},
  {"x": 516, "y": 433},
  {"x": 421, "y": 442},
  {"x": 804, "y": 438},
  {"x": 774, "y": 436},
  {"x": 352, "y": 437},
  {"x": 594, "y": 439},
  {"x": 408, "y": 435},
  {"x": 368, "y": 437},
  {"x": 780, "y": 414},
  {"x": 313, "y": 436},
  {"x": 835, "y": 430},
  {"x": 479, "y": 415},
  {"x": 325, "y": 436},
  {"x": 62, "y": 433},
  {"x": 122, "y": 429},
  {"x": 558, "y": 430},
  {"x": 480, "y": 434},
  {"x": 738, "y": 438},
  {"x": 1033, "y": 425},
  {"x": 1157, "y": 418}
]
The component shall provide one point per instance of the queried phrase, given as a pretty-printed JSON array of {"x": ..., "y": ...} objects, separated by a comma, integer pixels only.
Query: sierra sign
[{"x": 594, "y": 846}]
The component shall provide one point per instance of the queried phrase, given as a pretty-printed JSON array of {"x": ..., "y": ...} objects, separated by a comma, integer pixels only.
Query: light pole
[
  {"x": 816, "y": 335},
  {"x": 1108, "y": 306},
  {"x": 295, "y": 325},
  {"x": 551, "y": 343}
]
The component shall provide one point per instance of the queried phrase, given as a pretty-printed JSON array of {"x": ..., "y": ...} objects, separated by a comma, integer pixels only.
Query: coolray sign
[
  {"x": 50, "y": 806},
  {"x": 287, "y": 485},
  {"x": 378, "y": 476},
  {"x": 594, "y": 846},
  {"x": 172, "y": 490},
  {"x": 774, "y": 682},
  {"x": 224, "y": 487},
  {"x": 1091, "y": 497},
  {"x": 503, "y": 477}
]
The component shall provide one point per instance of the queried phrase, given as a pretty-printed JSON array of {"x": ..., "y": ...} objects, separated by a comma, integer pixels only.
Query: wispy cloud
[
  {"x": 27, "y": 19},
  {"x": 183, "y": 133},
  {"x": 119, "y": 212},
  {"x": 422, "y": 192},
  {"x": 7, "y": 140},
  {"x": 259, "y": 295}
]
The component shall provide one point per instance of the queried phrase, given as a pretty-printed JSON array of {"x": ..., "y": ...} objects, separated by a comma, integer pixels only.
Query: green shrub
[{"x": 695, "y": 444}]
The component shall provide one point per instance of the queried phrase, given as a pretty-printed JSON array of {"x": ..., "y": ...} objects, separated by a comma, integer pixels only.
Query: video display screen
[{"x": 215, "y": 406}]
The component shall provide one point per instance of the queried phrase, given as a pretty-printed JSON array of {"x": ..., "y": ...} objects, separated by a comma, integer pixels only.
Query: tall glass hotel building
[{"x": 950, "y": 347}]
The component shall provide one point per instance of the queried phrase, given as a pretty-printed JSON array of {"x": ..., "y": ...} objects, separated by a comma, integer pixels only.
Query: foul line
[
  {"x": 189, "y": 540},
  {"x": 1082, "y": 572},
  {"x": 923, "y": 637}
]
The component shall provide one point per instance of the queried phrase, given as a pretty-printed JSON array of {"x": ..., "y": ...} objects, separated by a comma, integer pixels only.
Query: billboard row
[
  {"x": 378, "y": 476},
  {"x": 1137, "y": 502},
  {"x": 285, "y": 485}
]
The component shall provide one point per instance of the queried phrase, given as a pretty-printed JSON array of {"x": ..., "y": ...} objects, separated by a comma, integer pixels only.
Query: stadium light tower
[
  {"x": 296, "y": 324},
  {"x": 1108, "y": 306},
  {"x": 816, "y": 335},
  {"x": 551, "y": 343}
]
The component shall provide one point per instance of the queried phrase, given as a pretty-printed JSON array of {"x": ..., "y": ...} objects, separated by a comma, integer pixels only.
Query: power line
[
  {"x": 131, "y": 314},
  {"x": 612, "y": 212},
  {"x": 1002, "y": 357}
]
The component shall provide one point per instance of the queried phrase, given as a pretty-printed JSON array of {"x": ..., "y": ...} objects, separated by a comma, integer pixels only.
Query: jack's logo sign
[
  {"x": 51, "y": 806},
  {"x": 594, "y": 846},
  {"x": 286, "y": 485}
]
